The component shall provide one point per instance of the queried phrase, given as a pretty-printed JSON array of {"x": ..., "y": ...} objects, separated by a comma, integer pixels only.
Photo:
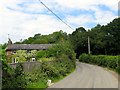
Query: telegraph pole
[{"x": 88, "y": 45}]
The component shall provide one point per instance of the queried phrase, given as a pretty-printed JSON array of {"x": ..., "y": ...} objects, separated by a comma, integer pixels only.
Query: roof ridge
[{"x": 28, "y": 46}]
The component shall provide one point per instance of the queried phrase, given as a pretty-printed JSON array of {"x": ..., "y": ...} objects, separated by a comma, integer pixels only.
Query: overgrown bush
[
  {"x": 13, "y": 78},
  {"x": 102, "y": 60},
  {"x": 118, "y": 68},
  {"x": 57, "y": 51},
  {"x": 52, "y": 70},
  {"x": 42, "y": 54}
]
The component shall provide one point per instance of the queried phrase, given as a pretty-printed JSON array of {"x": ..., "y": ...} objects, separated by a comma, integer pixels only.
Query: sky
[{"x": 24, "y": 18}]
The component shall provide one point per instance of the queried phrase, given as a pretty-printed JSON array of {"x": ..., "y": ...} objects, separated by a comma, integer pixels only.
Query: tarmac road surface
[{"x": 88, "y": 76}]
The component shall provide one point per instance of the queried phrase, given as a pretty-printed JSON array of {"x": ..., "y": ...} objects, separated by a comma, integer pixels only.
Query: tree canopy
[
  {"x": 104, "y": 39},
  {"x": 55, "y": 37}
]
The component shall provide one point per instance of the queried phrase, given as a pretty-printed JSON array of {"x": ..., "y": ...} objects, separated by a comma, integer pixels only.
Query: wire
[{"x": 55, "y": 14}]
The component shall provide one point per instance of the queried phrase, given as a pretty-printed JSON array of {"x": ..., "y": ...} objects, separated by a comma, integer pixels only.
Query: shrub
[
  {"x": 102, "y": 60},
  {"x": 51, "y": 69},
  {"x": 61, "y": 66},
  {"x": 13, "y": 78},
  {"x": 42, "y": 54},
  {"x": 118, "y": 65},
  {"x": 85, "y": 58}
]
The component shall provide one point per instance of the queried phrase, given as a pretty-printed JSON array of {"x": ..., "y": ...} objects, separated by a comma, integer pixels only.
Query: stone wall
[{"x": 28, "y": 66}]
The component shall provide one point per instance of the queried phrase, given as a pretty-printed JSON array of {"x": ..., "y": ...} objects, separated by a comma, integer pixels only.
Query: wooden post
[{"x": 88, "y": 45}]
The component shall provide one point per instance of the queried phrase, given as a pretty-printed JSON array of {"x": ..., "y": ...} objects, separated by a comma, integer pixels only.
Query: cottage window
[
  {"x": 33, "y": 59},
  {"x": 14, "y": 60},
  {"x": 13, "y": 52}
]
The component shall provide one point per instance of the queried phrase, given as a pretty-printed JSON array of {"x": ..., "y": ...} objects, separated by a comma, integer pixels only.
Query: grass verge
[
  {"x": 41, "y": 85},
  {"x": 38, "y": 84}
]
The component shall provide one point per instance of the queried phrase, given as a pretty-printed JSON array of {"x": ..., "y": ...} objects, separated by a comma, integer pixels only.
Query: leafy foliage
[
  {"x": 78, "y": 40},
  {"x": 20, "y": 55},
  {"x": 2, "y": 52},
  {"x": 57, "y": 62},
  {"x": 55, "y": 37},
  {"x": 58, "y": 50},
  {"x": 101, "y": 60},
  {"x": 23, "y": 55},
  {"x": 13, "y": 78},
  {"x": 103, "y": 39},
  {"x": 52, "y": 70}
]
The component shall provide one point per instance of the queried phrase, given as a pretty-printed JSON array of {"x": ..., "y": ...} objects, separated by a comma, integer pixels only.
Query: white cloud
[
  {"x": 99, "y": 17},
  {"x": 103, "y": 17},
  {"x": 80, "y": 20},
  {"x": 83, "y": 4},
  {"x": 113, "y": 5},
  {"x": 19, "y": 23},
  {"x": 79, "y": 4},
  {"x": 43, "y": 24}
]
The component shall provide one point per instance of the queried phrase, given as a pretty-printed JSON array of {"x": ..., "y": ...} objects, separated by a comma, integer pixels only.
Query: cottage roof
[{"x": 28, "y": 47}]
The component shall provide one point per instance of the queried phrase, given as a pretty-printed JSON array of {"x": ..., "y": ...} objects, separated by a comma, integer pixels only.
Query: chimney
[{"x": 9, "y": 41}]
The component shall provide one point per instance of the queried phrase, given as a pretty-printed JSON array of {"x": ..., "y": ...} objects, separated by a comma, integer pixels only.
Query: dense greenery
[
  {"x": 13, "y": 78},
  {"x": 55, "y": 37},
  {"x": 2, "y": 52},
  {"x": 110, "y": 62},
  {"x": 56, "y": 63},
  {"x": 103, "y": 39},
  {"x": 53, "y": 70},
  {"x": 58, "y": 50},
  {"x": 22, "y": 56},
  {"x": 60, "y": 62},
  {"x": 18, "y": 79}
]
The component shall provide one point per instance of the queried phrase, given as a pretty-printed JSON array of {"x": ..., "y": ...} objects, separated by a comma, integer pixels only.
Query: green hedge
[{"x": 102, "y": 60}]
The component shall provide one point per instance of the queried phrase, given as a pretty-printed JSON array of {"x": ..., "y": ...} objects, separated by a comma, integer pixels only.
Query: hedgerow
[{"x": 111, "y": 62}]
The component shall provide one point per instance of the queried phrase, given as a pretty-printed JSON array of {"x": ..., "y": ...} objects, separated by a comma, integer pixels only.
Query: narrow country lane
[{"x": 88, "y": 76}]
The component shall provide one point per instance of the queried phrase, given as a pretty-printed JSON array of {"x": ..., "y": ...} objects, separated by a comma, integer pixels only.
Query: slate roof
[{"x": 28, "y": 47}]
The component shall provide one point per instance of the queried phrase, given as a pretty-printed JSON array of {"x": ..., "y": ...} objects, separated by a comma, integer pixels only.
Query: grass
[
  {"x": 38, "y": 84},
  {"x": 61, "y": 77},
  {"x": 41, "y": 85}
]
